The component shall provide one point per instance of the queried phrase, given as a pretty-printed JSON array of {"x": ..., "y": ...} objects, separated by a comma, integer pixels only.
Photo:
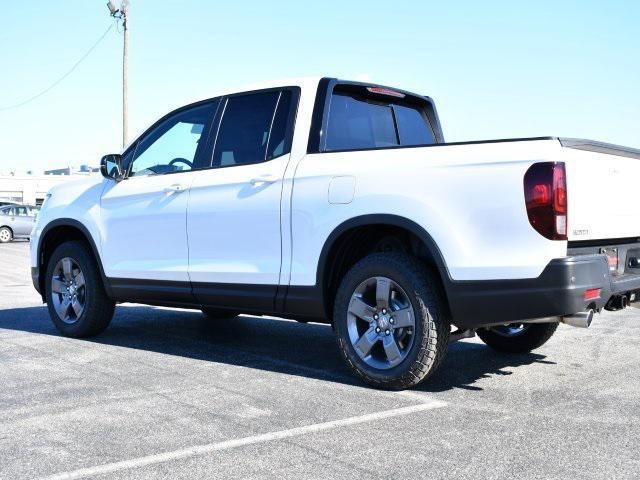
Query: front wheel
[
  {"x": 77, "y": 302},
  {"x": 517, "y": 337},
  {"x": 390, "y": 321}
]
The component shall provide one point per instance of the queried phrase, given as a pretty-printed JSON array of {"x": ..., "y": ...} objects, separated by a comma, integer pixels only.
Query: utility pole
[
  {"x": 122, "y": 14},
  {"x": 125, "y": 73}
]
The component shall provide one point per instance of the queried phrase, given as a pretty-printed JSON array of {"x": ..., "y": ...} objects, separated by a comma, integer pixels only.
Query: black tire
[
  {"x": 533, "y": 335},
  {"x": 432, "y": 325},
  {"x": 98, "y": 307},
  {"x": 6, "y": 235},
  {"x": 214, "y": 314}
]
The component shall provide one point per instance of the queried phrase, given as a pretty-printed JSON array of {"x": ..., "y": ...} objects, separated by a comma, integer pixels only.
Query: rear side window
[
  {"x": 278, "y": 137},
  {"x": 357, "y": 122},
  {"x": 253, "y": 128}
]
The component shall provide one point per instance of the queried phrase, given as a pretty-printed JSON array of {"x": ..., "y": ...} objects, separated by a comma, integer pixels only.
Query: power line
[{"x": 69, "y": 72}]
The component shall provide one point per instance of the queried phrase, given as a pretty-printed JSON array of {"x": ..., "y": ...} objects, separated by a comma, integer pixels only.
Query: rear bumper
[{"x": 558, "y": 291}]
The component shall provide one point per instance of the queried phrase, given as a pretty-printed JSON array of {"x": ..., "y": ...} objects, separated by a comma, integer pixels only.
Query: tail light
[
  {"x": 545, "y": 193},
  {"x": 592, "y": 293}
]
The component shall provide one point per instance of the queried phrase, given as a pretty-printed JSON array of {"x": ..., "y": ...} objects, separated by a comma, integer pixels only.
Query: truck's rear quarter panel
[{"x": 469, "y": 198}]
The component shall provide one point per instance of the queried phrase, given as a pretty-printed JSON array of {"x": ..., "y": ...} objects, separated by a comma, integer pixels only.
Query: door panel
[
  {"x": 144, "y": 217},
  {"x": 144, "y": 228},
  {"x": 21, "y": 222},
  {"x": 233, "y": 221},
  {"x": 234, "y": 224}
]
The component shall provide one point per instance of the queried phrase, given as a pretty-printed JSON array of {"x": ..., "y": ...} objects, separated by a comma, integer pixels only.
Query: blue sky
[{"x": 496, "y": 69}]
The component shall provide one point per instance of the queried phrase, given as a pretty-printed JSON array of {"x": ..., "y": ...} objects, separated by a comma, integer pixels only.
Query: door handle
[
  {"x": 176, "y": 187},
  {"x": 268, "y": 178}
]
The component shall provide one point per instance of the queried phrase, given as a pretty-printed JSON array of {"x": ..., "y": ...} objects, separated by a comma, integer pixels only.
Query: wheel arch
[
  {"x": 59, "y": 231},
  {"x": 352, "y": 239}
]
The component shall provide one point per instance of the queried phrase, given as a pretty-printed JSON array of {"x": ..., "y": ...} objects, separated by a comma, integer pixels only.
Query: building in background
[
  {"x": 30, "y": 189},
  {"x": 72, "y": 170}
]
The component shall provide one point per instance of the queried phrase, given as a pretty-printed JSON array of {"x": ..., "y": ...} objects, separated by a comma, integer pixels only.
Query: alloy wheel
[
  {"x": 381, "y": 323},
  {"x": 68, "y": 290}
]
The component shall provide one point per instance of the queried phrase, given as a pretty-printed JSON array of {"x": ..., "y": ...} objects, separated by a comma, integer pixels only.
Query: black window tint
[
  {"x": 357, "y": 123},
  {"x": 244, "y": 129},
  {"x": 413, "y": 126},
  {"x": 278, "y": 136}
]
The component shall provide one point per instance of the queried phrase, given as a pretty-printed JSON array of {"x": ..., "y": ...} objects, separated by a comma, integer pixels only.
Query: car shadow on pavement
[{"x": 288, "y": 347}]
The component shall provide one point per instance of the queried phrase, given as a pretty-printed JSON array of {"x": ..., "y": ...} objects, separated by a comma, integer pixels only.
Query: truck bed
[{"x": 604, "y": 199}]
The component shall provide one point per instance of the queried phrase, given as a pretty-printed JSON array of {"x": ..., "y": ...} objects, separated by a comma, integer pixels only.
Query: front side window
[
  {"x": 173, "y": 145},
  {"x": 21, "y": 212},
  {"x": 245, "y": 135}
]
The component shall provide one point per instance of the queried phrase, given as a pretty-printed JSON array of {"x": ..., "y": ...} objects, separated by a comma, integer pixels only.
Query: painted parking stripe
[{"x": 240, "y": 442}]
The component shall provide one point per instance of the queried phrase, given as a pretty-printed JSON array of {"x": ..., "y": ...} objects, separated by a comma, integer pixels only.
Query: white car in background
[
  {"x": 16, "y": 221},
  {"x": 340, "y": 202}
]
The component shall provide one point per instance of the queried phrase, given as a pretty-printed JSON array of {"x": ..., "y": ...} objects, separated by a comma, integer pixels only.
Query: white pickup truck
[{"x": 324, "y": 200}]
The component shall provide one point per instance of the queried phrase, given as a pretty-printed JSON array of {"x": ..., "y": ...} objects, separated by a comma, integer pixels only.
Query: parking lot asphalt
[{"x": 164, "y": 393}]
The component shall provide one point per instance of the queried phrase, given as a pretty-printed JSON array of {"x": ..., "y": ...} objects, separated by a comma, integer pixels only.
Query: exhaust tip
[{"x": 580, "y": 319}]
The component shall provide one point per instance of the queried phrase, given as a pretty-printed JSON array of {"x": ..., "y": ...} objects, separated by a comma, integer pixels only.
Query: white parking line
[{"x": 240, "y": 442}]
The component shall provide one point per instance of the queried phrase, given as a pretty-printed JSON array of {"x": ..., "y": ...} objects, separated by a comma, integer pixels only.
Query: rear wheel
[
  {"x": 390, "y": 321},
  {"x": 6, "y": 235},
  {"x": 78, "y": 305},
  {"x": 517, "y": 337}
]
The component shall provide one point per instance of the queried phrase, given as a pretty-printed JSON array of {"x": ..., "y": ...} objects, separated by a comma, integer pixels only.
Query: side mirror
[{"x": 111, "y": 167}]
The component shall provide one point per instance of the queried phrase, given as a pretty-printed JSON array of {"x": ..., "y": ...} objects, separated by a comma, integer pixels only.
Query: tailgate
[{"x": 603, "y": 186}]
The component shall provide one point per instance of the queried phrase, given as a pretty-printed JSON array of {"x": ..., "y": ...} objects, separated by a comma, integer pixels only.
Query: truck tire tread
[
  {"x": 429, "y": 306},
  {"x": 99, "y": 308}
]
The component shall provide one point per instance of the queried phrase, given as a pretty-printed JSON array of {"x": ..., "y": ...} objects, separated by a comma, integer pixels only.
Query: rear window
[
  {"x": 413, "y": 126},
  {"x": 357, "y": 122}
]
